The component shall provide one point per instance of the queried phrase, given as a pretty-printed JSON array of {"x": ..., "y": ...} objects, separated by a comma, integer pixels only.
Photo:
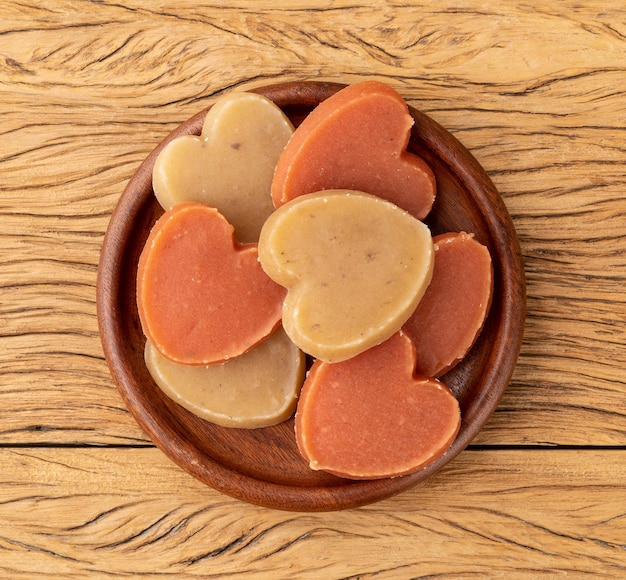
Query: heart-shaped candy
[
  {"x": 202, "y": 297},
  {"x": 357, "y": 139},
  {"x": 452, "y": 311},
  {"x": 230, "y": 165},
  {"x": 257, "y": 389},
  {"x": 355, "y": 267},
  {"x": 369, "y": 417}
]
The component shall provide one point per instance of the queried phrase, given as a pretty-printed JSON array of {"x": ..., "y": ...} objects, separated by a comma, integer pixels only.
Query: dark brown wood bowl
[{"x": 263, "y": 466}]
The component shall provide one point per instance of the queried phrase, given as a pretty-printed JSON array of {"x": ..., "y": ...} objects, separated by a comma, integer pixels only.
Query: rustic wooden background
[{"x": 536, "y": 90}]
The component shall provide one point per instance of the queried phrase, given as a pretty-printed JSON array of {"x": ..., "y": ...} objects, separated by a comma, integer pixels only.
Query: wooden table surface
[{"x": 536, "y": 90}]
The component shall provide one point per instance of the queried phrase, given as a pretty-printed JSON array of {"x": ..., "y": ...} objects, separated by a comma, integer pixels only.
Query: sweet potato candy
[
  {"x": 451, "y": 314},
  {"x": 357, "y": 139},
  {"x": 355, "y": 267},
  {"x": 202, "y": 297},
  {"x": 370, "y": 417},
  {"x": 230, "y": 165},
  {"x": 257, "y": 389}
]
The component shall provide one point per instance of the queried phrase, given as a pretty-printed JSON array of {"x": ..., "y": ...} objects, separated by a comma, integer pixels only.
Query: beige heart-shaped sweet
[
  {"x": 257, "y": 389},
  {"x": 230, "y": 165},
  {"x": 354, "y": 265}
]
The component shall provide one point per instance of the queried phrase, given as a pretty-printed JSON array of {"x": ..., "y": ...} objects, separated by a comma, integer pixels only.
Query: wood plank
[
  {"x": 80, "y": 513},
  {"x": 544, "y": 116}
]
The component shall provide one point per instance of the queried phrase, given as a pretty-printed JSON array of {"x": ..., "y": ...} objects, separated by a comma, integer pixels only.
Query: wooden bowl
[{"x": 263, "y": 466}]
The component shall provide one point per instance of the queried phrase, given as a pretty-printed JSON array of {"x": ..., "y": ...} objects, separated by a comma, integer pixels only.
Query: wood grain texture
[
  {"x": 96, "y": 513},
  {"x": 536, "y": 93},
  {"x": 535, "y": 90}
]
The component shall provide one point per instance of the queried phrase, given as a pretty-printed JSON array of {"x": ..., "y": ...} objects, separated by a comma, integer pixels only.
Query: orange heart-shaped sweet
[
  {"x": 370, "y": 417},
  {"x": 357, "y": 139},
  {"x": 451, "y": 314},
  {"x": 203, "y": 297}
]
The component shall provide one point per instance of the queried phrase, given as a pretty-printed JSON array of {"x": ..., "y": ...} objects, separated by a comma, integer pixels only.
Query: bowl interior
[{"x": 263, "y": 466}]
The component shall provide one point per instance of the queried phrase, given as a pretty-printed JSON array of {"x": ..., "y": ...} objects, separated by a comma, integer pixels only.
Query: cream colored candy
[
  {"x": 256, "y": 389},
  {"x": 230, "y": 165},
  {"x": 355, "y": 267}
]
